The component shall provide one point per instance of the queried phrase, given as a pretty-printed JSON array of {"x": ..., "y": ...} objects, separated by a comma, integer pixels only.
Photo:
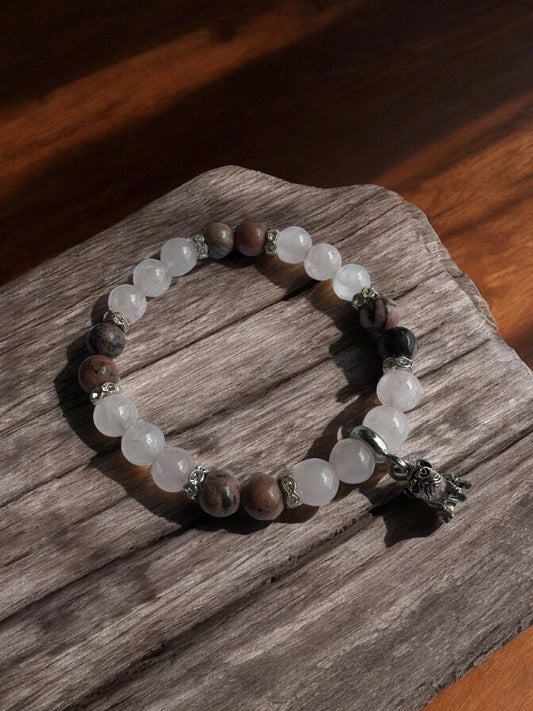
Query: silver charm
[
  {"x": 117, "y": 319},
  {"x": 194, "y": 482},
  {"x": 290, "y": 493},
  {"x": 201, "y": 245},
  {"x": 272, "y": 235},
  {"x": 365, "y": 296},
  {"x": 440, "y": 491},
  {"x": 103, "y": 391},
  {"x": 399, "y": 362}
]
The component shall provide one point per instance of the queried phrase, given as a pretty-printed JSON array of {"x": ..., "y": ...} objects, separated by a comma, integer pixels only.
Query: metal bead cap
[
  {"x": 194, "y": 482},
  {"x": 371, "y": 438},
  {"x": 271, "y": 240},
  {"x": 117, "y": 319},
  {"x": 365, "y": 296},
  {"x": 290, "y": 493},
  {"x": 400, "y": 363},
  {"x": 103, "y": 391},
  {"x": 201, "y": 245}
]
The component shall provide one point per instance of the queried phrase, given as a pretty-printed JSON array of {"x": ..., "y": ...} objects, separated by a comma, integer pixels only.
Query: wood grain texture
[
  {"x": 115, "y": 595},
  {"x": 477, "y": 690},
  {"x": 99, "y": 116}
]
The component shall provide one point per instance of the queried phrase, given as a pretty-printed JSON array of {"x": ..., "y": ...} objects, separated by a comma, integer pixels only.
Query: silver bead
[
  {"x": 103, "y": 391},
  {"x": 399, "y": 362},
  {"x": 365, "y": 296},
  {"x": 201, "y": 245},
  {"x": 194, "y": 481},
  {"x": 290, "y": 493},
  {"x": 371, "y": 438},
  {"x": 271, "y": 242},
  {"x": 117, "y": 319}
]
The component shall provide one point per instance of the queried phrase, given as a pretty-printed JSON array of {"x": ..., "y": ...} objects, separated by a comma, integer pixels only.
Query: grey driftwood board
[{"x": 114, "y": 595}]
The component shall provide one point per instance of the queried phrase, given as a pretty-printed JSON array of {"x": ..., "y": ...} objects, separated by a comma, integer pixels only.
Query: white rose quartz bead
[
  {"x": 171, "y": 468},
  {"x": 128, "y": 300},
  {"x": 316, "y": 481},
  {"x": 353, "y": 460},
  {"x": 349, "y": 280},
  {"x": 400, "y": 389},
  {"x": 113, "y": 415},
  {"x": 322, "y": 261},
  {"x": 151, "y": 277},
  {"x": 179, "y": 256},
  {"x": 389, "y": 423},
  {"x": 141, "y": 443},
  {"x": 293, "y": 244}
]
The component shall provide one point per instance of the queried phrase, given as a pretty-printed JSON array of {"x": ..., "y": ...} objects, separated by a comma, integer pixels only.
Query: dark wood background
[{"x": 105, "y": 110}]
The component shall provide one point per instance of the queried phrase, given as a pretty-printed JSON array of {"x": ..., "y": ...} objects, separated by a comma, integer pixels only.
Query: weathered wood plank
[
  {"x": 43, "y": 512},
  {"x": 99, "y": 569},
  {"x": 357, "y": 631}
]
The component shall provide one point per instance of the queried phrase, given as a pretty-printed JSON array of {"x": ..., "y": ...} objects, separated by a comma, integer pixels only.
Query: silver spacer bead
[
  {"x": 117, "y": 319},
  {"x": 272, "y": 235},
  {"x": 103, "y": 391},
  {"x": 398, "y": 362},
  {"x": 290, "y": 493},
  {"x": 201, "y": 245},
  {"x": 371, "y": 438},
  {"x": 194, "y": 482},
  {"x": 365, "y": 296}
]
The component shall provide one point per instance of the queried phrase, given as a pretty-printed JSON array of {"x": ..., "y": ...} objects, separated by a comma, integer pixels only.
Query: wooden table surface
[{"x": 105, "y": 110}]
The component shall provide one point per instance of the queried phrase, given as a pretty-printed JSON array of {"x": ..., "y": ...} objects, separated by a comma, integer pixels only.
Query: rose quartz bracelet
[{"x": 313, "y": 481}]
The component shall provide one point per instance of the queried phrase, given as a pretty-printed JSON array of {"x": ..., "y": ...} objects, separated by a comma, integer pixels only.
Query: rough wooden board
[{"x": 114, "y": 595}]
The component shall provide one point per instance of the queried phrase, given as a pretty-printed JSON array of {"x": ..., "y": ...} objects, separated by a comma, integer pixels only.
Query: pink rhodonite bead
[
  {"x": 250, "y": 237},
  {"x": 219, "y": 494},
  {"x": 379, "y": 315}
]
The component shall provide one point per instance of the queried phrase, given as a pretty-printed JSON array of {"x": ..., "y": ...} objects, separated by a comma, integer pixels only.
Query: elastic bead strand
[{"x": 312, "y": 481}]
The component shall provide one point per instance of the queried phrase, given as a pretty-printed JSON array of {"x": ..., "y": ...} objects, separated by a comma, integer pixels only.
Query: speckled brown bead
[
  {"x": 379, "y": 315},
  {"x": 97, "y": 370},
  {"x": 106, "y": 339},
  {"x": 219, "y": 494},
  {"x": 261, "y": 497},
  {"x": 219, "y": 239},
  {"x": 250, "y": 237}
]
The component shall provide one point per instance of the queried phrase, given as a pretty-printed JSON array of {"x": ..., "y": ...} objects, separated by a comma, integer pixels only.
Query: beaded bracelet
[{"x": 312, "y": 481}]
